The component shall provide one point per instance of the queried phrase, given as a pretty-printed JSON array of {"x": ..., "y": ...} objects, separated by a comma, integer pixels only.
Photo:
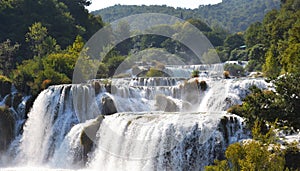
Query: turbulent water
[{"x": 159, "y": 125}]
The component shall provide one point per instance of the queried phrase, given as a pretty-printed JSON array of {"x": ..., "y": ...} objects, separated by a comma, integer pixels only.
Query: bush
[
  {"x": 195, "y": 73},
  {"x": 226, "y": 74},
  {"x": 252, "y": 155},
  {"x": 268, "y": 105},
  {"x": 153, "y": 72},
  {"x": 4, "y": 79}
]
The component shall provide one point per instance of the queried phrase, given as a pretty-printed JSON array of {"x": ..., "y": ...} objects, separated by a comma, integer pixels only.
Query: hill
[{"x": 233, "y": 15}]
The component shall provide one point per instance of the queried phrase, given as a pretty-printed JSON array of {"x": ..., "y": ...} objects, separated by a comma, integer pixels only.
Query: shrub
[
  {"x": 252, "y": 155},
  {"x": 226, "y": 74},
  {"x": 4, "y": 79},
  {"x": 195, "y": 73},
  {"x": 153, "y": 72}
]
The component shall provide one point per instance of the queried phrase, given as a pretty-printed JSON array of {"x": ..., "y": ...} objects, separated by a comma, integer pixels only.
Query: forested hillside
[
  {"x": 233, "y": 15},
  {"x": 63, "y": 20}
]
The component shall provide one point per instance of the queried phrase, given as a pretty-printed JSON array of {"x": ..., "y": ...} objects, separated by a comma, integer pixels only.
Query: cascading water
[
  {"x": 142, "y": 138},
  {"x": 164, "y": 141}
]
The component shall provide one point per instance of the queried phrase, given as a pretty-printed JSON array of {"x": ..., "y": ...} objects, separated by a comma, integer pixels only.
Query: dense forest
[
  {"x": 40, "y": 42},
  {"x": 232, "y": 15}
]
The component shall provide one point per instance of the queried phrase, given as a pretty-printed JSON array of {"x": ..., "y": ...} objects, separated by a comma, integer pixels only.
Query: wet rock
[
  {"x": 7, "y": 127},
  {"x": 13, "y": 100},
  {"x": 88, "y": 136},
  {"x": 5, "y": 87},
  {"x": 165, "y": 104},
  {"x": 186, "y": 106},
  {"x": 108, "y": 106}
]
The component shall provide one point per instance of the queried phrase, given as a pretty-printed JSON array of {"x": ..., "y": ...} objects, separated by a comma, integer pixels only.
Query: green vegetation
[
  {"x": 274, "y": 43},
  {"x": 267, "y": 105},
  {"x": 53, "y": 68},
  {"x": 195, "y": 73},
  {"x": 233, "y": 15},
  {"x": 261, "y": 153},
  {"x": 63, "y": 20},
  {"x": 154, "y": 72}
]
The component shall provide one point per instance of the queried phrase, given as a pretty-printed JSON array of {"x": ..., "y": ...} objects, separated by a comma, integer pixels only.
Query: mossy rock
[
  {"x": 88, "y": 136},
  {"x": 7, "y": 127}
]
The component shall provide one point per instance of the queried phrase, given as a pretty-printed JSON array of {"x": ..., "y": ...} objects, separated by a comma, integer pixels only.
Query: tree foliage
[
  {"x": 267, "y": 105},
  {"x": 7, "y": 50},
  {"x": 63, "y": 20},
  {"x": 261, "y": 153},
  {"x": 233, "y": 15}
]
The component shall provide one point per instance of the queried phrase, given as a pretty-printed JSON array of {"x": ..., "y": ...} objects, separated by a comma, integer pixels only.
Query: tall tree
[{"x": 7, "y": 50}]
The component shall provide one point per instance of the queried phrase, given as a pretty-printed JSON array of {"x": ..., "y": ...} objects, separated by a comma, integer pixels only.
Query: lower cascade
[{"x": 129, "y": 126}]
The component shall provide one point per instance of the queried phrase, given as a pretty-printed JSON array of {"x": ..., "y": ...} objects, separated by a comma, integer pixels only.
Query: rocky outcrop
[
  {"x": 88, "y": 136},
  {"x": 7, "y": 127}
]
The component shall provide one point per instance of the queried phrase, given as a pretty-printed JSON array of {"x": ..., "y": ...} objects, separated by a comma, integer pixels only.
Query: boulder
[
  {"x": 108, "y": 106},
  {"x": 7, "y": 128},
  {"x": 165, "y": 104},
  {"x": 5, "y": 87},
  {"x": 88, "y": 136}
]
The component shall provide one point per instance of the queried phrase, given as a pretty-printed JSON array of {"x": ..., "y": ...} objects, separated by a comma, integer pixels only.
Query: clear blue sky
[{"x": 99, "y": 4}]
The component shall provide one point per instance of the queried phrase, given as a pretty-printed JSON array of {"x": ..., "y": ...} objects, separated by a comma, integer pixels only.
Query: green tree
[
  {"x": 254, "y": 35},
  {"x": 271, "y": 68},
  {"x": 202, "y": 26},
  {"x": 7, "y": 50},
  {"x": 113, "y": 63},
  {"x": 234, "y": 41},
  {"x": 252, "y": 155},
  {"x": 40, "y": 43}
]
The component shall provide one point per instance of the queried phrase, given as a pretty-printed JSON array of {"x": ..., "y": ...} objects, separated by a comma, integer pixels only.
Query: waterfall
[
  {"x": 55, "y": 111},
  {"x": 161, "y": 124},
  {"x": 164, "y": 141},
  {"x": 225, "y": 93}
]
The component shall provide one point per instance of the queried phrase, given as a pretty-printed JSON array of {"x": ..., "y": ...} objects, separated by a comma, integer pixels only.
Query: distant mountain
[{"x": 233, "y": 15}]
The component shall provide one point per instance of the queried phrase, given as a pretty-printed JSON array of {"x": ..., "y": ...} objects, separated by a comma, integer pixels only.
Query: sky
[{"x": 99, "y": 4}]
